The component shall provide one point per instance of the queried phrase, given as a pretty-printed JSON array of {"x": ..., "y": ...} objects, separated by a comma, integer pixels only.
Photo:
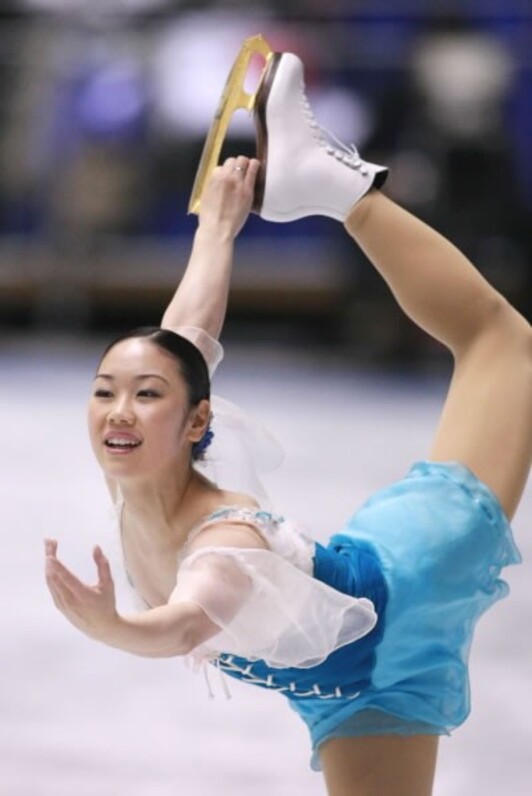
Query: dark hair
[{"x": 191, "y": 364}]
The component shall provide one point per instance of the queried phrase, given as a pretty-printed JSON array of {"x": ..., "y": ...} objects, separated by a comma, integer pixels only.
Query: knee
[
  {"x": 504, "y": 327},
  {"x": 499, "y": 332},
  {"x": 519, "y": 331}
]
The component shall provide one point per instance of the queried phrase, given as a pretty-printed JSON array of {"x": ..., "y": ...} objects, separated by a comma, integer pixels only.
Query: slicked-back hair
[{"x": 191, "y": 363}]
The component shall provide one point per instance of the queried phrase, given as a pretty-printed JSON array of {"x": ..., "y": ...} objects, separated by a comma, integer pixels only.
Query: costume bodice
[
  {"x": 309, "y": 613},
  {"x": 268, "y": 603},
  {"x": 346, "y": 672},
  {"x": 282, "y": 536}
]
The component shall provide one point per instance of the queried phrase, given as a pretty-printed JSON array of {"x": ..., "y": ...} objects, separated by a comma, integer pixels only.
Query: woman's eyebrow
[
  {"x": 151, "y": 376},
  {"x": 140, "y": 377}
]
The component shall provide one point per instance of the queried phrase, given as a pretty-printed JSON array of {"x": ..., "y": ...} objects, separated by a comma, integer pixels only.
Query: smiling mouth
[{"x": 121, "y": 445}]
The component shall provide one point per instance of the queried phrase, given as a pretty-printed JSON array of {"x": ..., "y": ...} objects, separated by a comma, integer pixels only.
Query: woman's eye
[
  {"x": 148, "y": 394},
  {"x": 103, "y": 393}
]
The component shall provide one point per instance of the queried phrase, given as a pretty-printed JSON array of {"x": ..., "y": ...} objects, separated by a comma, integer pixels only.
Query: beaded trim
[
  {"x": 264, "y": 519},
  {"x": 227, "y": 663}
]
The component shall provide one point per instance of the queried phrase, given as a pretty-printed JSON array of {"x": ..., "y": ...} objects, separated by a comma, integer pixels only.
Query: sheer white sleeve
[
  {"x": 266, "y": 608},
  {"x": 211, "y": 349}
]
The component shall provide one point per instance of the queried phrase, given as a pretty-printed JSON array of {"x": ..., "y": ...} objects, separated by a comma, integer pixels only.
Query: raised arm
[{"x": 201, "y": 297}]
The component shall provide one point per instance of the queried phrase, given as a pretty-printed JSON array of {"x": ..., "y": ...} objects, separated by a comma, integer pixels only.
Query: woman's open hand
[
  {"x": 92, "y": 609},
  {"x": 228, "y": 195}
]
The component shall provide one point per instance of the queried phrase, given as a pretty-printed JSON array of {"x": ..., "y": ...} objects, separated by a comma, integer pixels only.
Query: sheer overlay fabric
[{"x": 266, "y": 602}]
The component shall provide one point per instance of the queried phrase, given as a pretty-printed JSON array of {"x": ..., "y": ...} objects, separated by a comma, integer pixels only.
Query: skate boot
[{"x": 303, "y": 173}]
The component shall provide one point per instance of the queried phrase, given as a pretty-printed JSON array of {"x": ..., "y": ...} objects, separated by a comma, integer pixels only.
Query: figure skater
[{"x": 367, "y": 637}]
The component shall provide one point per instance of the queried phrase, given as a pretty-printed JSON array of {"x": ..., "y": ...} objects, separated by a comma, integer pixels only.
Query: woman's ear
[{"x": 201, "y": 415}]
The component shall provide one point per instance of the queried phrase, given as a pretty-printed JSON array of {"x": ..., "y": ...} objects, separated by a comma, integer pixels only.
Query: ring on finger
[{"x": 239, "y": 168}]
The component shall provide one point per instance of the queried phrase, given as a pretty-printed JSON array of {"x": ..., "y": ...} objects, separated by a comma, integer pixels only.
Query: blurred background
[{"x": 104, "y": 108}]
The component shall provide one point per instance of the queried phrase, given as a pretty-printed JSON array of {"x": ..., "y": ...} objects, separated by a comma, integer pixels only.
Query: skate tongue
[
  {"x": 322, "y": 132},
  {"x": 350, "y": 150}
]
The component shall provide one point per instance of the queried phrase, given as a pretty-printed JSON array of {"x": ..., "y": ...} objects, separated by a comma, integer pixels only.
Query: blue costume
[{"x": 427, "y": 551}]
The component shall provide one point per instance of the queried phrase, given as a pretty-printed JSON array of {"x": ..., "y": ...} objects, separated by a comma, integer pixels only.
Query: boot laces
[{"x": 347, "y": 154}]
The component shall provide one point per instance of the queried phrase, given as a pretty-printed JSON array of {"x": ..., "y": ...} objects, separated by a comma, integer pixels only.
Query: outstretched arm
[
  {"x": 160, "y": 632},
  {"x": 201, "y": 297},
  {"x": 167, "y": 630}
]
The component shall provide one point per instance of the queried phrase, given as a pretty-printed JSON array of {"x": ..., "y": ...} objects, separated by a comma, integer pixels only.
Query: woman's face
[{"x": 139, "y": 419}]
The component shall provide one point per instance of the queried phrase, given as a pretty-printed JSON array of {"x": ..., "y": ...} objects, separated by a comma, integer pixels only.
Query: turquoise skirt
[{"x": 441, "y": 539}]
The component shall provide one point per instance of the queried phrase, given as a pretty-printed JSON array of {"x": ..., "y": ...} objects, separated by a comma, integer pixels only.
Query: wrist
[
  {"x": 215, "y": 233},
  {"x": 165, "y": 631},
  {"x": 111, "y": 631}
]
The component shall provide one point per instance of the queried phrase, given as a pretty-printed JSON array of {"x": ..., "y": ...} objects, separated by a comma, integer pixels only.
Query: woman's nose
[{"x": 120, "y": 414}]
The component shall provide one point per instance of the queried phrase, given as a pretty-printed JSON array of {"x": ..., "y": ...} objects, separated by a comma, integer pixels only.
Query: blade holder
[{"x": 233, "y": 97}]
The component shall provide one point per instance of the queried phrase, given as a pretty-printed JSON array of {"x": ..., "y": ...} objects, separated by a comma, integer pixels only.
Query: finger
[
  {"x": 251, "y": 174},
  {"x": 237, "y": 167},
  {"x": 64, "y": 578},
  {"x": 241, "y": 166},
  {"x": 57, "y": 595},
  {"x": 50, "y": 547},
  {"x": 62, "y": 597},
  {"x": 104, "y": 570},
  {"x": 216, "y": 173},
  {"x": 59, "y": 588}
]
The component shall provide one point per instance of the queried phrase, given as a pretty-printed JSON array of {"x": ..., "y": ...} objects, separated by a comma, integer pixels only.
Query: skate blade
[{"x": 233, "y": 97}]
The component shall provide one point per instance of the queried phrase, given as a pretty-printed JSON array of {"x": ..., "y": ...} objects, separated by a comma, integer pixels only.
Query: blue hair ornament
[{"x": 199, "y": 447}]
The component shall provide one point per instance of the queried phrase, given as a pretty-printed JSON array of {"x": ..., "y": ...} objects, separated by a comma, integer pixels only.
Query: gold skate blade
[{"x": 233, "y": 97}]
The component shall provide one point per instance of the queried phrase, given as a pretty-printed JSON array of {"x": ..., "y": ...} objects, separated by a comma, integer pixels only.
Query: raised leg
[
  {"x": 380, "y": 765},
  {"x": 486, "y": 422}
]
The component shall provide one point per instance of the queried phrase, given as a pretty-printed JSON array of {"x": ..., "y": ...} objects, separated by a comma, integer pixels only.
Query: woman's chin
[{"x": 113, "y": 463}]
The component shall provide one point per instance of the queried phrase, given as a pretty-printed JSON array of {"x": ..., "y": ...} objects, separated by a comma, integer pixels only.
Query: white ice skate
[{"x": 303, "y": 173}]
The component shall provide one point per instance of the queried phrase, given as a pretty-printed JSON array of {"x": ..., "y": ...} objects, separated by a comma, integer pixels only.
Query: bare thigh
[
  {"x": 486, "y": 422},
  {"x": 380, "y": 765}
]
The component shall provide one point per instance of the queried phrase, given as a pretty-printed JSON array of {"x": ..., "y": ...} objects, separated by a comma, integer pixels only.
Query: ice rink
[{"x": 79, "y": 719}]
